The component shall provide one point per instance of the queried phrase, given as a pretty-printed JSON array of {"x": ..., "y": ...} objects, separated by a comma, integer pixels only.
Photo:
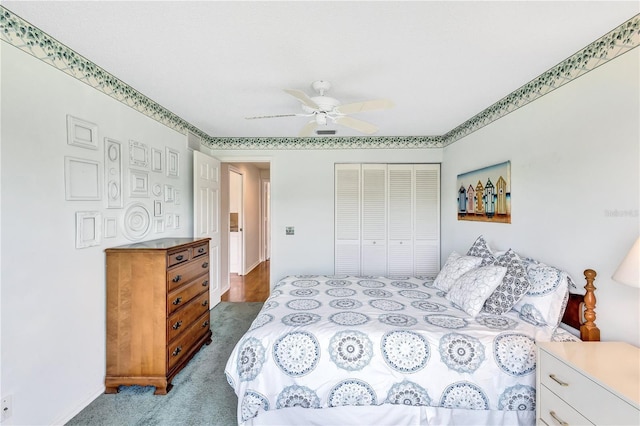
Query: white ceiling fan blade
[
  {"x": 359, "y": 125},
  {"x": 271, "y": 116},
  {"x": 302, "y": 97},
  {"x": 364, "y": 106},
  {"x": 308, "y": 129}
]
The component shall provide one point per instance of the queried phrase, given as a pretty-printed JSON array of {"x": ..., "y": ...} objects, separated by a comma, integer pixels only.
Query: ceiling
[{"x": 213, "y": 63}]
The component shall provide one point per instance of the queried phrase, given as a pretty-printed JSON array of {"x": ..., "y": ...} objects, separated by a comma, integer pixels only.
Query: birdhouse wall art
[{"x": 484, "y": 195}]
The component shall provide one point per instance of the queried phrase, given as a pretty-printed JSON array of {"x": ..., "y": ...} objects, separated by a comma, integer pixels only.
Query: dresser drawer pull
[
  {"x": 558, "y": 381},
  {"x": 205, "y": 264},
  {"x": 201, "y": 250},
  {"x": 205, "y": 283},
  {"x": 206, "y": 323},
  {"x": 177, "y": 325},
  {"x": 177, "y": 351},
  {"x": 178, "y": 300},
  {"x": 179, "y": 257},
  {"x": 205, "y": 302},
  {"x": 558, "y": 419},
  {"x": 177, "y": 278}
]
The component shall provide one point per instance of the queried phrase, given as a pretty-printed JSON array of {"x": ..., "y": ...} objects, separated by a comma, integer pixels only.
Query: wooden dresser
[
  {"x": 157, "y": 310},
  {"x": 584, "y": 383}
]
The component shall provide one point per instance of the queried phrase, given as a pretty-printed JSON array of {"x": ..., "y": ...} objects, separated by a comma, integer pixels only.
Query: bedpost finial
[{"x": 590, "y": 274}]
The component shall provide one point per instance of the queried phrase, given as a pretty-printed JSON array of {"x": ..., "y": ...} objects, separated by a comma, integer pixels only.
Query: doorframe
[
  {"x": 241, "y": 266},
  {"x": 265, "y": 219}
]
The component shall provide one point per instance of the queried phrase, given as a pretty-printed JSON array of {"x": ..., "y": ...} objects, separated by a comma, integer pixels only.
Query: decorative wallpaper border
[{"x": 30, "y": 39}]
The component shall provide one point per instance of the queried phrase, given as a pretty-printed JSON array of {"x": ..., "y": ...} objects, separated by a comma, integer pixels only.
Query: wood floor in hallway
[{"x": 253, "y": 287}]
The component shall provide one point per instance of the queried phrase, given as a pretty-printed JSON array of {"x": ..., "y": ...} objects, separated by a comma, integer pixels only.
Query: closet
[{"x": 387, "y": 219}]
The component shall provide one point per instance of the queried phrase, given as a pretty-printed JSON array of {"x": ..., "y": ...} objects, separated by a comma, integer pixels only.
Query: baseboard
[
  {"x": 252, "y": 267},
  {"x": 81, "y": 406}
]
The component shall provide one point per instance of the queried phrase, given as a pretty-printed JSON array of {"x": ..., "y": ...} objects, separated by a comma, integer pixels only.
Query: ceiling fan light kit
[{"x": 324, "y": 108}]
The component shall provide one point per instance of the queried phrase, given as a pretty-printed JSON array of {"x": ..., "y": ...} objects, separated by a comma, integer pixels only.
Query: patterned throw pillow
[
  {"x": 454, "y": 268},
  {"x": 514, "y": 285},
  {"x": 472, "y": 289},
  {"x": 544, "y": 303},
  {"x": 481, "y": 249}
]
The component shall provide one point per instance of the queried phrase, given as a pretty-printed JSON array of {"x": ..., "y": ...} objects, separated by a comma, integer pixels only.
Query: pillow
[
  {"x": 481, "y": 249},
  {"x": 513, "y": 288},
  {"x": 454, "y": 268},
  {"x": 544, "y": 303},
  {"x": 471, "y": 290}
]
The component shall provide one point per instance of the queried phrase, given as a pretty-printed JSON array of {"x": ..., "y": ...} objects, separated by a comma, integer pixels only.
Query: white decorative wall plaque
[
  {"x": 176, "y": 197},
  {"x": 113, "y": 173},
  {"x": 138, "y": 154},
  {"x": 81, "y": 179},
  {"x": 137, "y": 222},
  {"x": 138, "y": 183},
  {"x": 157, "y": 208},
  {"x": 158, "y": 225},
  {"x": 156, "y": 189},
  {"x": 176, "y": 221},
  {"x": 169, "y": 222},
  {"x": 173, "y": 163},
  {"x": 156, "y": 160},
  {"x": 169, "y": 194},
  {"x": 88, "y": 229},
  {"x": 110, "y": 229},
  {"x": 82, "y": 133}
]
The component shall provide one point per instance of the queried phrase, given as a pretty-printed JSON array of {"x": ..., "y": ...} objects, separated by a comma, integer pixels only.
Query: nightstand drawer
[
  {"x": 589, "y": 398},
  {"x": 554, "y": 411}
]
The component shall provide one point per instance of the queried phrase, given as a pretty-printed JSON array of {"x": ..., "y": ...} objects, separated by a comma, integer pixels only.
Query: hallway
[{"x": 253, "y": 287}]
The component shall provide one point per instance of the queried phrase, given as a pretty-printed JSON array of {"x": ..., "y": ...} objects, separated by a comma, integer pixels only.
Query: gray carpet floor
[{"x": 200, "y": 394}]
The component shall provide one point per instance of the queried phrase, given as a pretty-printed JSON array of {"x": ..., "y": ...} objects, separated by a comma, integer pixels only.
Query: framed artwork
[
  {"x": 113, "y": 173},
  {"x": 156, "y": 160},
  {"x": 484, "y": 195},
  {"x": 139, "y": 183},
  {"x": 173, "y": 162},
  {"x": 82, "y": 133},
  {"x": 110, "y": 227}
]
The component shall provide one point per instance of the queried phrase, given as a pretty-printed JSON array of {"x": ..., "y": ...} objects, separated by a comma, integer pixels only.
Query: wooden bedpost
[{"x": 588, "y": 330}]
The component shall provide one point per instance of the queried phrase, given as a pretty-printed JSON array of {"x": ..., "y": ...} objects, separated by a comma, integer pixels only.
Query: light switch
[{"x": 289, "y": 230}]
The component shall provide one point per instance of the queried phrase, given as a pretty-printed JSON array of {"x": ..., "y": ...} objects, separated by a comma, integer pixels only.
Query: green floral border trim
[
  {"x": 30, "y": 39},
  {"x": 613, "y": 44}
]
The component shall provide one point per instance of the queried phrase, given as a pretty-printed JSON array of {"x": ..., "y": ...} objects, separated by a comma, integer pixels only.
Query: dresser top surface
[
  {"x": 159, "y": 244},
  {"x": 615, "y": 365}
]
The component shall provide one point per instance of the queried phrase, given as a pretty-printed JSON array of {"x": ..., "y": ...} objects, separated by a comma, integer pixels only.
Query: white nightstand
[{"x": 583, "y": 383}]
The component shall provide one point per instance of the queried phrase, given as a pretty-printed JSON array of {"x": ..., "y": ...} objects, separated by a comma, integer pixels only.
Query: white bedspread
[{"x": 339, "y": 341}]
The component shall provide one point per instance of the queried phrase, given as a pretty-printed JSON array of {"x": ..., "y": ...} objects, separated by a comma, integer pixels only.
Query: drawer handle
[
  {"x": 177, "y": 351},
  {"x": 205, "y": 283},
  {"x": 177, "y": 325},
  {"x": 177, "y": 278},
  {"x": 206, "y": 323},
  {"x": 558, "y": 381},
  {"x": 178, "y": 300},
  {"x": 558, "y": 419},
  {"x": 205, "y": 264},
  {"x": 201, "y": 250},
  {"x": 205, "y": 302},
  {"x": 179, "y": 257}
]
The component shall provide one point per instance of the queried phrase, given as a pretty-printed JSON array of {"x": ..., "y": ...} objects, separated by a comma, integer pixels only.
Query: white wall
[
  {"x": 53, "y": 295},
  {"x": 302, "y": 186},
  {"x": 574, "y": 160}
]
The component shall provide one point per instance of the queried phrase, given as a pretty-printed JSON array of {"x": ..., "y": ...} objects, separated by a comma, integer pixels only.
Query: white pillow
[
  {"x": 454, "y": 268},
  {"x": 471, "y": 290}
]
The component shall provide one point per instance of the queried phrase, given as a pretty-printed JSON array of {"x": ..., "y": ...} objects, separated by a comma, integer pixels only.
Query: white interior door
[{"x": 206, "y": 214}]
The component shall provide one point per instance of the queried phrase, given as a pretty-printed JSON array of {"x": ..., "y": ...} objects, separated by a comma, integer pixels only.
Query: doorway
[{"x": 236, "y": 222}]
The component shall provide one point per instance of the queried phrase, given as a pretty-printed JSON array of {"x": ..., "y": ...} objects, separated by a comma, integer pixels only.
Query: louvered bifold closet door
[
  {"x": 347, "y": 219},
  {"x": 426, "y": 244},
  {"x": 400, "y": 221},
  {"x": 374, "y": 219}
]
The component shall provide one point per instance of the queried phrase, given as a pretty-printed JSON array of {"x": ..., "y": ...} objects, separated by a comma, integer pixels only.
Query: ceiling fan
[{"x": 324, "y": 109}]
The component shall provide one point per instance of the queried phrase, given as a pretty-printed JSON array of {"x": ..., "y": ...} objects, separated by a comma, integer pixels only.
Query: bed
[{"x": 361, "y": 350}]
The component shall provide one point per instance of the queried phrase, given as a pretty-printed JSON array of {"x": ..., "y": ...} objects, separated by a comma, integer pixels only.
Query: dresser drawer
[
  {"x": 589, "y": 398},
  {"x": 181, "y": 296},
  {"x": 177, "y": 257},
  {"x": 183, "y": 344},
  {"x": 185, "y": 273},
  {"x": 554, "y": 411},
  {"x": 180, "y": 320},
  {"x": 201, "y": 250}
]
